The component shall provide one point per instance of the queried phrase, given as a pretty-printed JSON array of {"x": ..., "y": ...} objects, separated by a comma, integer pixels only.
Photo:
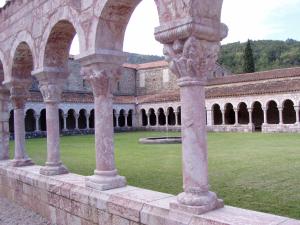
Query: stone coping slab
[{"x": 140, "y": 206}]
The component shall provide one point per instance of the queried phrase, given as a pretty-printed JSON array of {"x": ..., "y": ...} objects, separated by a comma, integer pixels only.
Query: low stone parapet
[
  {"x": 231, "y": 128},
  {"x": 281, "y": 128},
  {"x": 64, "y": 199}
]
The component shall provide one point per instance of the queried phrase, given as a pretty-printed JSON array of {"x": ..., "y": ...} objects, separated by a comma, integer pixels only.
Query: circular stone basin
[{"x": 160, "y": 140}]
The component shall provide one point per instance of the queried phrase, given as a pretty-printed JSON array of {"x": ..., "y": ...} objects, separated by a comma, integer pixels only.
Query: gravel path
[{"x": 12, "y": 214}]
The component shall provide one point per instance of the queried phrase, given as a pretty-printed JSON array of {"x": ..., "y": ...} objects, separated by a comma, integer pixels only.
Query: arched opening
[
  {"x": 171, "y": 117},
  {"x": 161, "y": 117},
  {"x": 92, "y": 119},
  {"x": 257, "y": 116},
  {"x": 229, "y": 114},
  {"x": 129, "y": 118},
  {"x": 152, "y": 117},
  {"x": 217, "y": 114},
  {"x": 288, "y": 112},
  {"x": 58, "y": 45},
  {"x": 30, "y": 123},
  {"x": 11, "y": 121},
  {"x": 71, "y": 120},
  {"x": 144, "y": 118},
  {"x": 42, "y": 120},
  {"x": 179, "y": 116},
  {"x": 82, "y": 121},
  {"x": 61, "y": 119},
  {"x": 121, "y": 119},
  {"x": 114, "y": 118},
  {"x": 243, "y": 114},
  {"x": 272, "y": 113}
]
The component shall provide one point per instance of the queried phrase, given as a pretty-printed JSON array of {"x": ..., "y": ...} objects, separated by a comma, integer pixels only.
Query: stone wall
[{"x": 64, "y": 200}]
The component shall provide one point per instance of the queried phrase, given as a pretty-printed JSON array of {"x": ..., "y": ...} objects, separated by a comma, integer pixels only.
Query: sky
[{"x": 246, "y": 19}]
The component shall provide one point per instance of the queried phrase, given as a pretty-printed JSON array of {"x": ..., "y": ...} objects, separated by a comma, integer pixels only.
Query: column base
[
  {"x": 105, "y": 180},
  {"x": 4, "y": 158},
  {"x": 53, "y": 169},
  {"x": 21, "y": 162},
  {"x": 197, "y": 204}
]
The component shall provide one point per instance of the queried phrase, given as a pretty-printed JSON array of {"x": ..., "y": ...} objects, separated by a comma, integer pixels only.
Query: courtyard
[{"x": 248, "y": 170}]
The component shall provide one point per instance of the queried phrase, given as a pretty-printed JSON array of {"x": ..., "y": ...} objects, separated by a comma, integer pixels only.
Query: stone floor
[{"x": 12, "y": 214}]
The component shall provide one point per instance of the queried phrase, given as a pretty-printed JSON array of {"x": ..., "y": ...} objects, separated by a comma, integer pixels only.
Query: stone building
[{"x": 147, "y": 97}]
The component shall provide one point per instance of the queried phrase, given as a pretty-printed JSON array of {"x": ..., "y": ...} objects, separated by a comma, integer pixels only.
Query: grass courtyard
[{"x": 254, "y": 171}]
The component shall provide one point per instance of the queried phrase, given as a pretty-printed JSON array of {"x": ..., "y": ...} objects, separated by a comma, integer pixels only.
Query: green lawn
[{"x": 253, "y": 171}]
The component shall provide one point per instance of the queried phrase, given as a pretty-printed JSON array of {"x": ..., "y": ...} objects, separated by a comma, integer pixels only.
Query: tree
[{"x": 249, "y": 66}]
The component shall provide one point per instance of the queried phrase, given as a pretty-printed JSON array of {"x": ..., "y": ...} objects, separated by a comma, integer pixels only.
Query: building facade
[{"x": 147, "y": 97}]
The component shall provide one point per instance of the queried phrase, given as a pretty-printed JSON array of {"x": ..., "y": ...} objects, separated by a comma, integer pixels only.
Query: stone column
[
  {"x": 280, "y": 115},
  {"x": 4, "y": 123},
  {"x": 297, "y": 114},
  {"x": 76, "y": 121},
  {"x": 250, "y": 115},
  {"x": 65, "y": 122},
  {"x": 265, "y": 109},
  {"x": 157, "y": 119},
  {"x": 51, "y": 83},
  {"x": 102, "y": 74},
  {"x": 236, "y": 114},
  {"x": 126, "y": 120},
  {"x": 209, "y": 117},
  {"x": 223, "y": 117},
  {"x": 18, "y": 95},
  {"x": 176, "y": 118},
  {"x": 37, "y": 122},
  {"x": 88, "y": 121},
  {"x": 192, "y": 58}
]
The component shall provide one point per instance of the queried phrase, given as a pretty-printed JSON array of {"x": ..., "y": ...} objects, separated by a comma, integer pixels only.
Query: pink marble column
[
  {"x": 18, "y": 95},
  {"x": 51, "y": 86},
  {"x": 192, "y": 50},
  {"x": 297, "y": 114},
  {"x": 236, "y": 114},
  {"x": 103, "y": 76},
  {"x": 4, "y": 124},
  {"x": 280, "y": 109}
]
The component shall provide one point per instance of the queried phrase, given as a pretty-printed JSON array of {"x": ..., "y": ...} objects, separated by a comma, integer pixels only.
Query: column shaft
[
  {"x": 223, "y": 117},
  {"x": 297, "y": 113},
  {"x": 4, "y": 124},
  {"x": 236, "y": 113},
  {"x": 280, "y": 115}
]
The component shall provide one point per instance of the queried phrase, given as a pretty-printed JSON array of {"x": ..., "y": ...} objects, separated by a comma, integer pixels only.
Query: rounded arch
[
  {"x": 71, "y": 119},
  {"x": 272, "y": 112},
  {"x": 161, "y": 117},
  {"x": 229, "y": 114},
  {"x": 152, "y": 115},
  {"x": 42, "y": 120},
  {"x": 171, "y": 119},
  {"x": 30, "y": 122},
  {"x": 288, "y": 112},
  {"x": 144, "y": 117},
  {"x": 121, "y": 118},
  {"x": 70, "y": 17},
  {"x": 3, "y": 68},
  {"x": 178, "y": 115},
  {"x": 243, "y": 114},
  {"x": 92, "y": 119},
  {"x": 22, "y": 39},
  {"x": 217, "y": 114},
  {"x": 82, "y": 119},
  {"x": 129, "y": 118}
]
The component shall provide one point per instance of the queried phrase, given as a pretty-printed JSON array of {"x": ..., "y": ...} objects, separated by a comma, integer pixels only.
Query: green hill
[{"x": 268, "y": 55}]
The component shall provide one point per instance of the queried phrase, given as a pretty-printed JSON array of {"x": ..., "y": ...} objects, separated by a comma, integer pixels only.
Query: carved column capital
[
  {"x": 18, "y": 92},
  {"x": 101, "y": 79}
]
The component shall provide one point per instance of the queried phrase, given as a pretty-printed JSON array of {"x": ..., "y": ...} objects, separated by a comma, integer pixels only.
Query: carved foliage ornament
[
  {"x": 51, "y": 92},
  {"x": 102, "y": 81},
  {"x": 192, "y": 58}
]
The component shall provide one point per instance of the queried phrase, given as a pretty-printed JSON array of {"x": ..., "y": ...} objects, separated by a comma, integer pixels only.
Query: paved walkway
[{"x": 12, "y": 214}]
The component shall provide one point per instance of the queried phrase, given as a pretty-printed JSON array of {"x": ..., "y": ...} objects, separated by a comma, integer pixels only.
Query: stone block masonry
[{"x": 65, "y": 200}]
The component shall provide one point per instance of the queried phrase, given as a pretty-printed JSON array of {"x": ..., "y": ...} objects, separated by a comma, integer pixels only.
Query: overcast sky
[{"x": 246, "y": 19}]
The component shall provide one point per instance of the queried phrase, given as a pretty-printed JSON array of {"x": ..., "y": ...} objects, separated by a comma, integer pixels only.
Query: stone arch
[
  {"x": 243, "y": 114},
  {"x": 71, "y": 119},
  {"x": 129, "y": 118},
  {"x": 229, "y": 114},
  {"x": 3, "y": 68},
  {"x": 217, "y": 114},
  {"x": 82, "y": 121},
  {"x": 257, "y": 115},
  {"x": 11, "y": 121},
  {"x": 144, "y": 118},
  {"x": 70, "y": 18},
  {"x": 121, "y": 118},
  {"x": 24, "y": 46},
  {"x": 179, "y": 115},
  {"x": 30, "y": 122},
  {"x": 61, "y": 119},
  {"x": 92, "y": 119},
  {"x": 161, "y": 117},
  {"x": 288, "y": 112},
  {"x": 42, "y": 120},
  {"x": 171, "y": 116},
  {"x": 22, "y": 62},
  {"x": 272, "y": 112},
  {"x": 152, "y": 116}
]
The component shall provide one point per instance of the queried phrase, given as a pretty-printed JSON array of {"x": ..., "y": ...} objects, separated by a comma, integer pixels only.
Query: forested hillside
[{"x": 267, "y": 55}]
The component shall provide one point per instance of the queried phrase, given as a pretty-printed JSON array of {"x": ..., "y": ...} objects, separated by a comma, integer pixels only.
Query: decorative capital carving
[
  {"x": 18, "y": 92},
  {"x": 102, "y": 80},
  {"x": 51, "y": 83},
  {"x": 191, "y": 59}
]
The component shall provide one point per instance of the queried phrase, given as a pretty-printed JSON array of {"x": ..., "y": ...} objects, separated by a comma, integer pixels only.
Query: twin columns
[{"x": 191, "y": 58}]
